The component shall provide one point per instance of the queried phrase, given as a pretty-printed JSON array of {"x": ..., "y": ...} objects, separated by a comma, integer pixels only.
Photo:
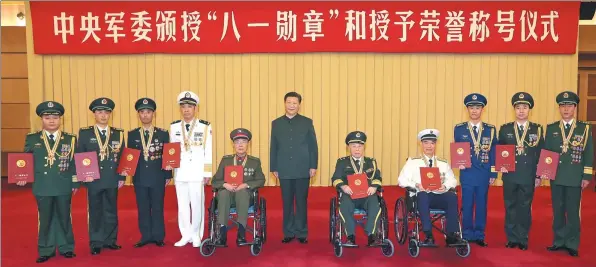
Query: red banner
[{"x": 292, "y": 27}]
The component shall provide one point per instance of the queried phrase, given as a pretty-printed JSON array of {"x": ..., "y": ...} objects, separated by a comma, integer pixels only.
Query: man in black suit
[
  {"x": 294, "y": 158},
  {"x": 150, "y": 180}
]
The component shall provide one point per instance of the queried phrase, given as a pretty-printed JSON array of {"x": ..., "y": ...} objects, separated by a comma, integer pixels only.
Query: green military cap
[
  {"x": 522, "y": 98},
  {"x": 567, "y": 97},
  {"x": 356, "y": 137},
  {"x": 145, "y": 103},
  {"x": 240, "y": 133},
  {"x": 49, "y": 108},
  {"x": 102, "y": 103}
]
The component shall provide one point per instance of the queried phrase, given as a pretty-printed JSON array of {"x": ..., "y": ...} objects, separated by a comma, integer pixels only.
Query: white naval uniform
[
  {"x": 410, "y": 173},
  {"x": 195, "y": 164}
]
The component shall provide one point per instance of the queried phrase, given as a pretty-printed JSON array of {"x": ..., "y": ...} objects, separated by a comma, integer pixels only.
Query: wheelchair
[
  {"x": 257, "y": 212},
  {"x": 336, "y": 232},
  {"x": 408, "y": 225}
]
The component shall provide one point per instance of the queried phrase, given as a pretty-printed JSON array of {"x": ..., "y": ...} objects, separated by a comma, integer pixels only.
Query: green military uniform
[
  {"x": 253, "y": 176},
  {"x": 573, "y": 141},
  {"x": 102, "y": 194},
  {"x": 347, "y": 166},
  {"x": 294, "y": 151},
  {"x": 55, "y": 179},
  {"x": 518, "y": 186},
  {"x": 149, "y": 178}
]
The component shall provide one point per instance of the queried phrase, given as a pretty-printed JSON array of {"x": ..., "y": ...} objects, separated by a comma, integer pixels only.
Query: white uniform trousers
[{"x": 191, "y": 197}]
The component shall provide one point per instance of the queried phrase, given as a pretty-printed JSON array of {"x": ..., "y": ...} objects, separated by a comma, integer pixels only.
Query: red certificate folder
[
  {"x": 359, "y": 185},
  {"x": 548, "y": 164},
  {"x": 87, "y": 165},
  {"x": 20, "y": 168},
  {"x": 171, "y": 155},
  {"x": 430, "y": 178},
  {"x": 460, "y": 155},
  {"x": 129, "y": 161},
  {"x": 505, "y": 158},
  {"x": 234, "y": 175}
]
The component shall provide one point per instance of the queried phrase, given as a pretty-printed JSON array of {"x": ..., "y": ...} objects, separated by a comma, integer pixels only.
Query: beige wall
[{"x": 389, "y": 96}]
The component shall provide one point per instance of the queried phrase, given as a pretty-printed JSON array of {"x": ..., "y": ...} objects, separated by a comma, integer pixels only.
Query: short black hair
[{"x": 293, "y": 94}]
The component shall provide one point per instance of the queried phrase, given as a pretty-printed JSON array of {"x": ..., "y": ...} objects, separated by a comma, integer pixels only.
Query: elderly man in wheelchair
[
  {"x": 236, "y": 182},
  {"x": 441, "y": 201},
  {"x": 358, "y": 179}
]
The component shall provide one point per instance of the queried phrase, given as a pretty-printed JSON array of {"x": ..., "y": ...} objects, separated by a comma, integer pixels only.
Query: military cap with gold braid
[
  {"x": 240, "y": 133},
  {"x": 102, "y": 103},
  {"x": 567, "y": 97},
  {"x": 356, "y": 137},
  {"x": 145, "y": 103},
  {"x": 522, "y": 98},
  {"x": 49, "y": 108}
]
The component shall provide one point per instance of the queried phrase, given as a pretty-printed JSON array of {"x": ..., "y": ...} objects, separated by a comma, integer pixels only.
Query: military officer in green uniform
[
  {"x": 149, "y": 180},
  {"x": 55, "y": 182},
  {"x": 357, "y": 163},
  {"x": 102, "y": 194},
  {"x": 518, "y": 186},
  {"x": 572, "y": 139},
  {"x": 240, "y": 194}
]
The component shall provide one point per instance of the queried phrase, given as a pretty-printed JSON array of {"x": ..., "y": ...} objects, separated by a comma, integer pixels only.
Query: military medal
[
  {"x": 103, "y": 147},
  {"x": 51, "y": 151},
  {"x": 520, "y": 141},
  {"x": 567, "y": 137},
  {"x": 184, "y": 135},
  {"x": 146, "y": 144},
  {"x": 475, "y": 140}
]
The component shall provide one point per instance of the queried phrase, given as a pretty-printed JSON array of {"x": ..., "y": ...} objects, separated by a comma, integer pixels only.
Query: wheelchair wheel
[
  {"x": 387, "y": 248},
  {"x": 263, "y": 221},
  {"x": 463, "y": 251},
  {"x": 332, "y": 219},
  {"x": 384, "y": 220},
  {"x": 207, "y": 247},
  {"x": 255, "y": 248},
  {"x": 211, "y": 216},
  {"x": 337, "y": 248},
  {"x": 413, "y": 248},
  {"x": 400, "y": 221}
]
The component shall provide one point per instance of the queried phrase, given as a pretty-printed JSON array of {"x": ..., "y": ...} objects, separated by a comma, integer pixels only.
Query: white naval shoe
[
  {"x": 182, "y": 242},
  {"x": 196, "y": 242}
]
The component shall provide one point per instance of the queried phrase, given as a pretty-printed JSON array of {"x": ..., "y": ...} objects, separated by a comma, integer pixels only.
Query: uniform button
[
  {"x": 146, "y": 166},
  {"x": 45, "y": 172},
  {"x": 290, "y": 147},
  {"x": 110, "y": 167},
  {"x": 290, "y": 157},
  {"x": 101, "y": 168}
]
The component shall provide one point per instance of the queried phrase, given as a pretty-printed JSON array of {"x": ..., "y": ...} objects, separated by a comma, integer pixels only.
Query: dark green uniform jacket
[
  {"x": 253, "y": 172},
  {"x": 107, "y": 167},
  {"x": 527, "y": 162}
]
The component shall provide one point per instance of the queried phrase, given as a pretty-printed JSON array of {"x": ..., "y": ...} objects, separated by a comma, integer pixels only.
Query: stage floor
[{"x": 19, "y": 237}]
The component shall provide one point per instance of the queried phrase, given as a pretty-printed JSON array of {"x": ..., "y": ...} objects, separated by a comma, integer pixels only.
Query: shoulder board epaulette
[
  {"x": 253, "y": 157},
  {"x": 33, "y": 133},
  {"x": 69, "y": 134},
  {"x": 87, "y": 128},
  {"x": 161, "y": 129},
  {"x": 584, "y": 122},
  {"x": 489, "y": 125},
  {"x": 342, "y": 158},
  {"x": 535, "y": 124},
  {"x": 461, "y": 124},
  {"x": 135, "y": 129},
  {"x": 204, "y": 122},
  {"x": 118, "y": 129},
  {"x": 415, "y": 158},
  {"x": 176, "y": 121},
  {"x": 507, "y": 124},
  {"x": 442, "y": 159},
  {"x": 554, "y": 123},
  {"x": 228, "y": 156},
  {"x": 369, "y": 158}
]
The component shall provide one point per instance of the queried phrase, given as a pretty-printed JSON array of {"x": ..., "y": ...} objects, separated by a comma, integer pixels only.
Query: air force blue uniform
[{"x": 475, "y": 180}]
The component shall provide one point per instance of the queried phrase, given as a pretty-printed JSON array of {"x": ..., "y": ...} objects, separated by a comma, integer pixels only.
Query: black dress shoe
[
  {"x": 573, "y": 252},
  {"x": 287, "y": 240},
  {"x": 523, "y": 246},
  {"x": 112, "y": 247},
  {"x": 303, "y": 240},
  {"x": 454, "y": 240},
  {"x": 141, "y": 244},
  {"x": 481, "y": 243},
  {"x": 95, "y": 251},
  {"x": 371, "y": 240},
  {"x": 68, "y": 255},
  {"x": 160, "y": 243},
  {"x": 351, "y": 240},
  {"x": 221, "y": 242},
  {"x": 511, "y": 245},
  {"x": 43, "y": 259},
  {"x": 554, "y": 248}
]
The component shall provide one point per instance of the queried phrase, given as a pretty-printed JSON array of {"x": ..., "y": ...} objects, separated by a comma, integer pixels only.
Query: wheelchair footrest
[
  {"x": 345, "y": 245},
  {"x": 461, "y": 244},
  {"x": 422, "y": 245},
  {"x": 221, "y": 246},
  {"x": 245, "y": 244}
]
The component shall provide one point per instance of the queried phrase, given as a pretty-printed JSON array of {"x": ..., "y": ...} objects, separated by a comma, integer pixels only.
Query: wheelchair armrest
[
  {"x": 452, "y": 190},
  {"x": 411, "y": 189}
]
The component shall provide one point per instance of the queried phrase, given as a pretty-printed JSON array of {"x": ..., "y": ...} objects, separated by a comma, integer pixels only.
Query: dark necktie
[
  {"x": 51, "y": 139},
  {"x": 103, "y": 134},
  {"x": 475, "y": 130},
  {"x": 430, "y": 163},
  {"x": 146, "y": 134},
  {"x": 187, "y": 127},
  {"x": 521, "y": 130}
]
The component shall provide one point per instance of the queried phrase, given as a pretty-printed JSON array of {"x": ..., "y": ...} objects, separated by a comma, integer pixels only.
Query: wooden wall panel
[
  {"x": 13, "y": 40},
  {"x": 15, "y": 116},
  {"x": 15, "y": 91},
  {"x": 391, "y": 97},
  {"x": 587, "y": 39},
  {"x": 14, "y": 65},
  {"x": 13, "y": 140}
]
